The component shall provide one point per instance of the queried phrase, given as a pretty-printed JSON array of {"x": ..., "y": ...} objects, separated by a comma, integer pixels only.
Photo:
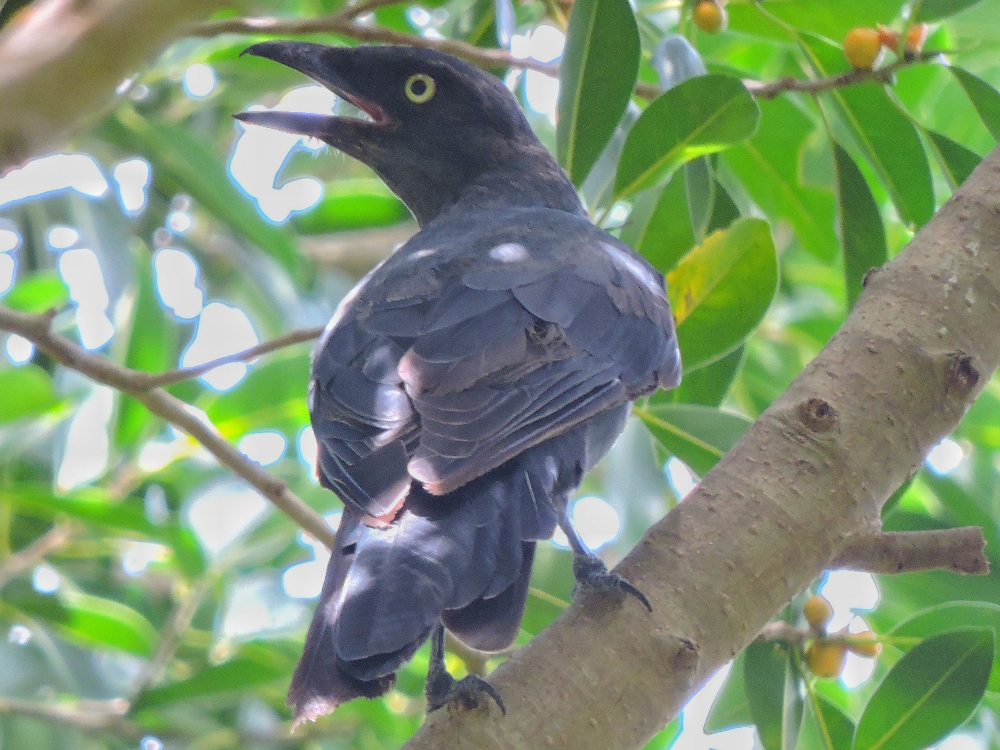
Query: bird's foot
[
  {"x": 592, "y": 575},
  {"x": 467, "y": 693}
]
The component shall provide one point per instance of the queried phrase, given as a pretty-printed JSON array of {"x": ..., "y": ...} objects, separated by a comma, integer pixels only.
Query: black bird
[{"x": 465, "y": 386}]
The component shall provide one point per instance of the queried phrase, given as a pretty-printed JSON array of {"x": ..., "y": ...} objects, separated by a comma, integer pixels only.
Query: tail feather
[
  {"x": 318, "y": 685},
  {"x": 492, "y": 624},
  {"x": 464, "y": 558}
]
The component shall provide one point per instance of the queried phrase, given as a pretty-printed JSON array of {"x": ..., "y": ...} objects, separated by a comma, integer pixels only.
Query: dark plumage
[{"x": 465, "y": 386}]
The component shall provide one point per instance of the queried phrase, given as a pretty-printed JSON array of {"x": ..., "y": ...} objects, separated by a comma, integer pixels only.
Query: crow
[{"x": 465, "y": 386}]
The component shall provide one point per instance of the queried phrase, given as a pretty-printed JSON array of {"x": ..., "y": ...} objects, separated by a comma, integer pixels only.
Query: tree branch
[
  {"x": 61, "y": 60},
  {"x": 336, "y": 23},
  {"x": 147, "y": 381},
  {"x": 885, "y": 74},
  {"x": 808, "y": 477},
  {"x": 36, "y": 328},
  {"x": 173, "y": 631},
  {"x": 87, "y": 716},
  {"x": 342, "y": 23},
  {"x": 959, "y": 550},
  {"x": 24, "y": 560}
]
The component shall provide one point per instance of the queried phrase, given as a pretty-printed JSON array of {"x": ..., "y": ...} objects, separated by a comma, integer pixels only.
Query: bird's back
[{"x": 458, "y": 396}]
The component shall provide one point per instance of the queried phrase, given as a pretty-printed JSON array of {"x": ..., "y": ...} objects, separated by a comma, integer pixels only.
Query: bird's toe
[{"x": 592, "y": 575}]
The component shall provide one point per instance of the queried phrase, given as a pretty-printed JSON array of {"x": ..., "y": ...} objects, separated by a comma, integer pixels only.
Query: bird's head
[{"x": 437, "y": 124}]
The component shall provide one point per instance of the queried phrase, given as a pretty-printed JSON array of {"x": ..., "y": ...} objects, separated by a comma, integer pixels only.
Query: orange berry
[
  {"x": 862, "y": 48},
  {"x": 915, "y": 37},
  {"x": 888, "y": 38},
  {"x": 826, "y": 658},
  {"x": 863, "y": 644},
  {"x": 710, "y": 16},
  {"x": 818, "y": 612}
]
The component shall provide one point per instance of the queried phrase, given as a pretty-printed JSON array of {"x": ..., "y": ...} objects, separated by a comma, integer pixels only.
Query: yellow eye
[{"x": 419, "y": 88}]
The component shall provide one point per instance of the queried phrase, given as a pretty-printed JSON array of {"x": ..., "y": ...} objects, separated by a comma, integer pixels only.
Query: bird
[{"x": 465, "y": 386}]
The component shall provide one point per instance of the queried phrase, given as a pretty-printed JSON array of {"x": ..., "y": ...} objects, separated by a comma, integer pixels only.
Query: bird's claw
[
  {"x": 466, "y": 693},
  {"x": 592, "y": 575}
]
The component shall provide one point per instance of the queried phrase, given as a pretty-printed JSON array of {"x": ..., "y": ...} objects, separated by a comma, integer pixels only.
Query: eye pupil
[{"x": 419, "y": 87}]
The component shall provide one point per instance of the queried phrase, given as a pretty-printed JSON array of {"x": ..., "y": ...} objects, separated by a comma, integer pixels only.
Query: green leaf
[
  {"x": 89, "y": 620},
  {"x": 93, "y": 505},
  {"x": 237, "y": 674},
  {"x": 769, "y": 169},
  {"x": 944, "y": 617},
  {"x": 273, "y": 394},
  {"x": 659, "y": 227},
  {"x": 724, "y": 209},
  {"x": 703, "y": 115},
  {"x": 861, "y": 230},
  {"x": 730, "y": 709},
  {"x": 27, "y": 391},
  {"x": 596, "y": 77},
  {"x": 956, "y": 160},
  {"x": 183, "y": 163},
  {"x": 709, "y": 385},
  {"x": 935, "y": 10},
  {"x": 886, "y": 136},
  {"x": 826, "y": 726},
  {"x": 666, "y": 738},
  {"x": 88, "y": 504},
  {"x": 698, "y": 435},
  {"x": 984, "y": 98},
  {"x": 774, "y": 695},
  {"x": 105, "y": 622},
  {"x": 150, "y": 346},
  {"x": 37, "y": 293},
  {"x": 720, "y": 291},
  {"x": 928, "y": 693},
  {"x": 700, "y": 184},
  {"x": 351, "y": 204}
]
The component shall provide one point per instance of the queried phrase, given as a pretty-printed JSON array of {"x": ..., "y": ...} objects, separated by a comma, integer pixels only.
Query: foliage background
[{"x": 146, "y": 591}]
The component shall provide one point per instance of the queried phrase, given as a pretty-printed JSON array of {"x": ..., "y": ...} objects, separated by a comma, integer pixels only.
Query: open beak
[{"x": 328, "y": 66}]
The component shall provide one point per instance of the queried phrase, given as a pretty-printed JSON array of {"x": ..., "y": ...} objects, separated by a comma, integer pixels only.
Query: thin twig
[
  {"x": 24, "y": 560},
  {"x": 36, "y": 328},
  {"x": 86, "y": 716},
  {"x": 958, "y": 550},
  {"x": 148, "y": 381},
  {"x": 337, "y": 24},
  {"x": 351, "y": 12},
  {"x": 172, "y": 633},
  {"x": 782, "y": 631},
  {"x": 93, "y": 716},
  {"x": 343, "y": 24},
  {"x": 884, "y": 74}
]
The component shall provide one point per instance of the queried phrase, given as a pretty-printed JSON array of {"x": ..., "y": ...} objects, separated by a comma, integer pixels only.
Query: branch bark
[
  {"x": 804, "y": 482},
  {"x": 959, "y": 550},
  {"x": 61, "y": 60}
]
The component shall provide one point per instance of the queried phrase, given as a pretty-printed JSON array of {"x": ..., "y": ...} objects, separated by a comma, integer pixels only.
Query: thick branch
[
  {"x": 959, "y": 550},
  {"x": 61, "y": 60},
  {"x": 808, "y": 477},
  {"x": 36, "y": 329}
]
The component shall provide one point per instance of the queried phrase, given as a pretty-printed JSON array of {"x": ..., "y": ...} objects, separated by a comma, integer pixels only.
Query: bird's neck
[{"x": 529, "y": 178}]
